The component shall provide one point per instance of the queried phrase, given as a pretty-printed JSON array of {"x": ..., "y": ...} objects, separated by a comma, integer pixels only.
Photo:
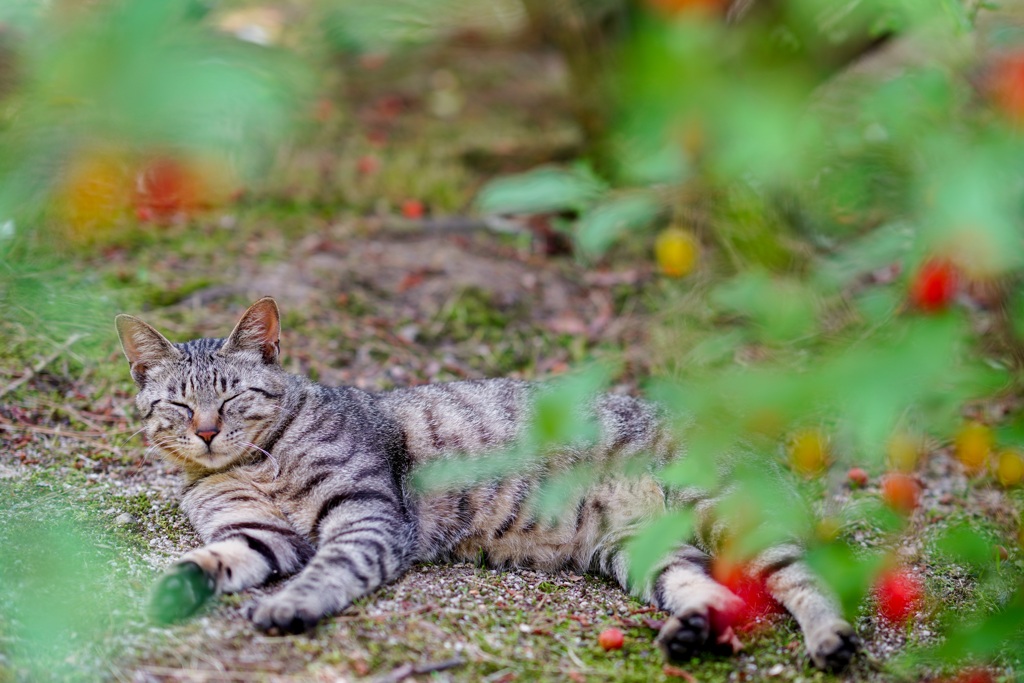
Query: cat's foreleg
[
  {"x": 248, "y": 542},
  {"x": 831, "y": 641},
  {"x": 365, "y": 540}
]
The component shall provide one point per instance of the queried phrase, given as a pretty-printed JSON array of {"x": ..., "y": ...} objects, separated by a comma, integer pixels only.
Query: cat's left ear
[{"x": 259, "y": 330}]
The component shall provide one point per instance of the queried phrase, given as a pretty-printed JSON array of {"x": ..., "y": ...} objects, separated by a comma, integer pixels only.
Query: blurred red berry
[
  {"x": 1006, "y": 85},
  {"x": 166, "y": 187},
  {"x": 323, "y": 110},
  {"x": 751, "y": 589},
  {"x": 898, "y": 594},
  {"x": 973, "y": 675},
  {"x": 367, "y": 164},
  {"x": 412, "y": 208},
  {"x": 901, "y": 492},
  {"x": 934, "y": 285},
  {"x": 611, "y": 639},
  {"x": 858, "y": 478},
  {"x": 675, "y": 7}
]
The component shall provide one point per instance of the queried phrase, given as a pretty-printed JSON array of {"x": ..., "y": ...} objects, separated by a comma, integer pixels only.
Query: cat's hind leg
[
  {"x": 701, "y": 608},
  {"x": 831, "y": 640}
]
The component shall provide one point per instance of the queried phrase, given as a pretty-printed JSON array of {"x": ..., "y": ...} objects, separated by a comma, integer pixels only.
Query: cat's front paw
[
  {"x": 284, "y": 613},
  {"x": 181, "y": 591},
  {"x": 832, "y": 647}
]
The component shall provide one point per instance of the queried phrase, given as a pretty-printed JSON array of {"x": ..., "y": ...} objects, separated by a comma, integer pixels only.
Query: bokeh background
[{"x": 794, "y": 224}]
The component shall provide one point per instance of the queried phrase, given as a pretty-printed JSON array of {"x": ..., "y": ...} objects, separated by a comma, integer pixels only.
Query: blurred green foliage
[
  {"x": 826, "y": 193},
  {"x": 816, "y": 198},
  {"x": 61, "y": 594}
]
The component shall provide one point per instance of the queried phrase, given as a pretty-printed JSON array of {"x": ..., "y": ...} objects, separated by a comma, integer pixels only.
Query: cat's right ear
[{"x": 143, "y": 346}]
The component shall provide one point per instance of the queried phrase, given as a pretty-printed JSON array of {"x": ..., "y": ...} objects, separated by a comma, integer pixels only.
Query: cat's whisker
[
  {"x": 277, "y": 465},
  {"x": 130, "y": 437}
]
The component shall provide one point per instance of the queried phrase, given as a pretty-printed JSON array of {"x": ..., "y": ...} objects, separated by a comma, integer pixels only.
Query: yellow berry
[
  {"x": 676, "y": 252},
  {"x": 96, "y": 192},
  {"x": 973, "y": 446},
  {"x": 903, "y": 450},
  {"x": 809, "y": 452},
  {"x": 1010, "y": 468}
]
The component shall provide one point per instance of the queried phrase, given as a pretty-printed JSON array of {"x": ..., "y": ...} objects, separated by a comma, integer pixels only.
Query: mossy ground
[{"x": 367, "y": 304}]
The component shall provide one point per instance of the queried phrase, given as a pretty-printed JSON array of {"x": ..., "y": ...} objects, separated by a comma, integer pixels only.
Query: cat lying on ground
[{"x": 288, "y": 478}]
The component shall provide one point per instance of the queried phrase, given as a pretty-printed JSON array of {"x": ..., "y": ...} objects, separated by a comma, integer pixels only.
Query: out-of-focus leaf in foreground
[
  {"x": 59, "y": 595},
  {"x": 135, "y": 76}
]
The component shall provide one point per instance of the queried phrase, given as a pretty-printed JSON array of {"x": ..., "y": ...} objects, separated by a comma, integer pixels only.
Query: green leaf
[
  {"x": 963, "y": 543},
  {"x": 560, "y": 414},
  {"x": 542, "y": 190},
  {"x": 608, "y": 221},
  {"x": 848, "y": 572},
  {"x": 655, "y": 542}
]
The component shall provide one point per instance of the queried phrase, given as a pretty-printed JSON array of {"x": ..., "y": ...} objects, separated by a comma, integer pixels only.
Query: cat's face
[{"x": 207, "y": 404}]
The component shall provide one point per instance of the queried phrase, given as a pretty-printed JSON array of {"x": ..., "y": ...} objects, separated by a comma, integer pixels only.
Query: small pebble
[{"x": 124, "y": 519}]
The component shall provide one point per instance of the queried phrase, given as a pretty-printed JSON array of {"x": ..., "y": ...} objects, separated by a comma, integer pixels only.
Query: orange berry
[
  {"x": 611, "y": 639},
  {"x": 901, "y": 492},
  {"x": 808, "y": 452},
  {"x": 973, "y": 446},
  {"x": 1010, "y": 468},
  {"x": 676, "y": 252}
]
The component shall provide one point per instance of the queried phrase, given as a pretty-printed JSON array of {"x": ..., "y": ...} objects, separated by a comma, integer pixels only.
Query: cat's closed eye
[{"x": 181, "y": 406}]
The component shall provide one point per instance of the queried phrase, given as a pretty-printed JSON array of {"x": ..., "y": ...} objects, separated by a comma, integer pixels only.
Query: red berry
[
  {"x": 750, "y": 588},
  {"x": 166, "y": 187},
  {"x": 934, "y": 285},
  {"x": 858, "y": 477},
  {"x": 974, "y": 675},
  {"x": 901, "y": 492},
  {"x": 367, "y": 164},
  {"x": 676, "y": 7},
  {"x": 899, "y": 594},
  {"x": 1006, "y": 85},
  {"x": 611, "y": 639},
  {"x": 412, "y": 208}
]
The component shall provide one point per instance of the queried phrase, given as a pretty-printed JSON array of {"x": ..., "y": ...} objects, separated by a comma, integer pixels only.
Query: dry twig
[
  {"x": 41, "y": 365},
  {"x": 399, "y": 674}
]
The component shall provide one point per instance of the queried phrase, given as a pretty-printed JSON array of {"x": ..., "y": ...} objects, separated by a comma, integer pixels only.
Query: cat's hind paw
[
  {"x": 181, "y": 591},
  {"x": 832, "y": 648},
  {"x": 279, "y": 615}
]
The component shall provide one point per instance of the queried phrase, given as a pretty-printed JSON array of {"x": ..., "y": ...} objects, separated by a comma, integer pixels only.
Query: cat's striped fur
[{"x": 285, "y": 477}]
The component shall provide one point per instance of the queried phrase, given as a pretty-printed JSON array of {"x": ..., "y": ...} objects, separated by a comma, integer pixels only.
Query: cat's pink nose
[{"x": 207, "y": 434}]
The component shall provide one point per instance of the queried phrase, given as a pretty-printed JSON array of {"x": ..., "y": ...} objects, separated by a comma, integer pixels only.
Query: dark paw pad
[
  {"x": 839, "y": 654},
  {"x": 683, "y": 637},
  {"x": 282, "y": 620},
  {"x": 835, "y": 652},
  {"x": 180, "y": 592}
]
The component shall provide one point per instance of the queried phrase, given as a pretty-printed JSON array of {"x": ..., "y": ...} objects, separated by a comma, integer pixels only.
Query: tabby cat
[{"x": 286, "y": 477}]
